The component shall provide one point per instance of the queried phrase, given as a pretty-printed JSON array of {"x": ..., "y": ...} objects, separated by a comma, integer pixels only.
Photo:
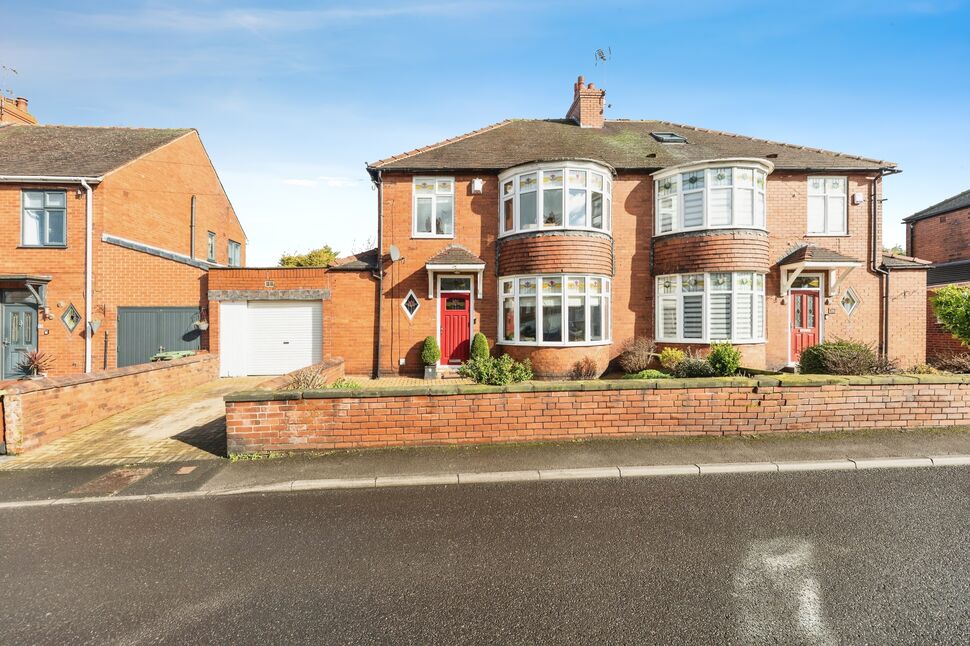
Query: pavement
[
  {"x": 187, "y": 425},
  {"x": 475, "y": 465},
  {"x": 860, "y": 557}
]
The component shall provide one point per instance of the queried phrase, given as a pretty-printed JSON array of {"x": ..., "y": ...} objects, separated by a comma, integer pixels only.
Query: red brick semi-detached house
[
  {"x": 561, "y": 238},
  {"x": 106, "y": 236},
  {"x": 941, "y": 234}
]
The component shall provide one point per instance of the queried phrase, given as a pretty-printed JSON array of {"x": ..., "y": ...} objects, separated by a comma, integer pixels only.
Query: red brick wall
[
  {"x": 148, "y": 201},
  {"x": 348, "y": 316},
  {"x": 941, "y": 238},
  {"x": 693, "y": 252},
  {"x": 37, "y": 412},
  {"x": 556, "y": 254},
  {"x": 907, "y": 317},
  {"x": 939, "y": 341},
  {"x": 342, "y": 422},
  {"x": 476, "y": 227}
]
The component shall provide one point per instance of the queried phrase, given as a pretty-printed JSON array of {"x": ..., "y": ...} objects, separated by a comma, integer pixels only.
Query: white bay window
[
  {"x": 555, "y": 195},
  {"x": 554, "y": 310},
  {"x": 711, "y": 195},
  {"x": 714, "y": 306}
]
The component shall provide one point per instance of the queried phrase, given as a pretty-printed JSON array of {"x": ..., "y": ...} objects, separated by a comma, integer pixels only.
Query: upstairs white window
[
  {"x": 716, "y": 306},
  {"x": 44, "y": 219},
  {"x": 570, "y": 195},
  {"x": 434, "y": 207},
  {"x": 827, "y": 206},
  {"x": 708, "y": 196},
  {"x": 235, "y": 254}
]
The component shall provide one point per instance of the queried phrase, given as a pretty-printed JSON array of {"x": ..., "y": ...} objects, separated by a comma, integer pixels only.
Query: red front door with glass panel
[
  {"x": 804, "y": 321},
  {"x": 455, "y": 327}
]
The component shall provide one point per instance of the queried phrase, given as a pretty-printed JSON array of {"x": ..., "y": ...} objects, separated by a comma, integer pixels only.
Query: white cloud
[{"x": 300, "y": 182}]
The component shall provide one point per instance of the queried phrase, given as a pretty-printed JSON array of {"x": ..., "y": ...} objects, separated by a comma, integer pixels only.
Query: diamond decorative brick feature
[{"x": 71, "y": 318}]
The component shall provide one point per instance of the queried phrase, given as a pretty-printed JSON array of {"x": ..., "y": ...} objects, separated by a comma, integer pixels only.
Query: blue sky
[{"x": 291, "y": 99}]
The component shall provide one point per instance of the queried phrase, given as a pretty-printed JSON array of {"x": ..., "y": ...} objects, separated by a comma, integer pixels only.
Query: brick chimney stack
[
  {"x": 587, "y": 107},
  {"x": 15, "y": 111}
]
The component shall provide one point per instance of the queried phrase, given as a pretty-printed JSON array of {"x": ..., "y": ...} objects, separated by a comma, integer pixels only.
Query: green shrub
[
  {"x": 692, "y": 367},
  {"x": 430, "y": 352},
  {"x": 670, "y": 358},
  {"x": 647, "y": 374},
  {"x": 951, "y": 304},
  {"x": 479, "y": 346},
  {"x": 841, "y": 357},
  {"x": 496, "y": 372},
  {"x": 636, "y": 355},
  {"x": 584, "y": 369},
  {"x": 345, "y": 384},
  {"x": 724, "y": 358}
]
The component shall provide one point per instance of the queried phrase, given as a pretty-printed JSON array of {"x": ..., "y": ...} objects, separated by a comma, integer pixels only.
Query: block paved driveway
[{"x": 187, "y": 425}]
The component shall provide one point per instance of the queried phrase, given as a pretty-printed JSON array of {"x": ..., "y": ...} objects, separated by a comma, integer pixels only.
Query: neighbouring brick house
[
  {"x": 559, "y": 239},
  {"x": 941, "y": 234},
  {"x": 106, "y": 237}
]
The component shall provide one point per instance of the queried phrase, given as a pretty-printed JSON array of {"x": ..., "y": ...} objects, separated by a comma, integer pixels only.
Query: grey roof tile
[
  {"x": 455, "y": 254},
  {"x": 947, "y": 273},
  {"x": 620, "y": 144},
  {"x": 954, "y": 203},
  {"x": 82, "y": 151},
  {"x": 814, "y": 253}
]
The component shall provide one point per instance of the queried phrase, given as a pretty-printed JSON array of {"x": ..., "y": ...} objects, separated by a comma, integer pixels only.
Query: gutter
[
  {"x": 378, "y": 273},
  {"x": 875, "y": 251},
  {"x": 85, "y": 183}
]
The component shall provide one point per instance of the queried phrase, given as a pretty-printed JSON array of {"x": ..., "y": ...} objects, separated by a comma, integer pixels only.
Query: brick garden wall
[
  {"x": 37, "y": 412},
  {"x": 565, "y": 411}
]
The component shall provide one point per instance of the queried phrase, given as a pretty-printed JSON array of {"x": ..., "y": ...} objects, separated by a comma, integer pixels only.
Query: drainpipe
[
  {"x": 88, "y": 266},
  {"x": 875, "y": 252},
  {"x": 379, "y": 274}
]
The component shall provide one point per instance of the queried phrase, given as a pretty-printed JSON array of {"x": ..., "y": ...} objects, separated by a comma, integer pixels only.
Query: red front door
[
  {"x": 455, "y": 327},
  {"x": 804, "y": 321}
]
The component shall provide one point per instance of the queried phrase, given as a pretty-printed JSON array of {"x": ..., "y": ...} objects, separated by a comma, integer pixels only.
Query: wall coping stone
[
  {"x": 601, "y": 385},
  {"x": 22, "y": 387}
]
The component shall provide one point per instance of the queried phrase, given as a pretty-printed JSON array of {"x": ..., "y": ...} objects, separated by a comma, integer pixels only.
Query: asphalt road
[{"x": 879, "y": 557}]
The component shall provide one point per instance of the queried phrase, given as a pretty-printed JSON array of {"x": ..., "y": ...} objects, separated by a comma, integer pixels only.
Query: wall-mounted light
[{"x": 478, "y": 185}]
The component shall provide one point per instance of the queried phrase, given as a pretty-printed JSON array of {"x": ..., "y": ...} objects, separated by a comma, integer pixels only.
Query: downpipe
[
  {"x": 88, "y": 269},
  {"x": 379, "y": 275}
]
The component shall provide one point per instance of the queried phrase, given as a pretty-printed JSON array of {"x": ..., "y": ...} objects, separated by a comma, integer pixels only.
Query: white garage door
[{"x": 269, "y": 337}]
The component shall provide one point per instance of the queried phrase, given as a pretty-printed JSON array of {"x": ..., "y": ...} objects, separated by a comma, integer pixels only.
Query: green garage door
[{"x": 145, "y": 331}]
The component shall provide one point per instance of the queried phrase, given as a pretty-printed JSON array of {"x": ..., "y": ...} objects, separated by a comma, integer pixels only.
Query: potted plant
[
  {"x": 35, "y": 364},
  {"x": 430, "y": 355},
  {"x": 202, "y": 323}
]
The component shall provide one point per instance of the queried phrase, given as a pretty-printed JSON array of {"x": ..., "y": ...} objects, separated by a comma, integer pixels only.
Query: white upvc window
[
  {"x": 433, "y": 207},
  {"x": 712, "y": 306},
  {"x": 555, "y": 195},
  {"x": 234, "y": 254},
  {"x": 43, "y": 219},
  {"x": 711, "y": 195},
  {"x": 827, "y": 206},
  {"x": 558, "y": 310}
]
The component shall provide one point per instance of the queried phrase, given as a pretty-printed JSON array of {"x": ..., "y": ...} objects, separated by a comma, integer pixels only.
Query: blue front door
[{"x": 18, "y": 335}]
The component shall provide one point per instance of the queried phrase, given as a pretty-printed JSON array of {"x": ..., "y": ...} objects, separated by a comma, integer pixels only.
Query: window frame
[
  {"x": 44, "y": 224},
  {"x": 564, "y": 294},
  {"x": 233, "y": 259},
  {"x": 434, "y": 195},
  {"x": 758, "y": 301},
  {"x": 589, "y": 168},
  {"x": 827, "y": 196},
  {"x": 212, "y": 240},
  {"x": 758, "y": 189}
]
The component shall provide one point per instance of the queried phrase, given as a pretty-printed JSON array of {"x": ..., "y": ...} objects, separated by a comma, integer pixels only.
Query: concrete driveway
[{"x": 187, "y": 425}]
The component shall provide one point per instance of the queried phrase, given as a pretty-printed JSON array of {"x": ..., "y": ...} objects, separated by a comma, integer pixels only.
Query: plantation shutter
[
  {"x": 720, "y": 316},
  {"x": 693, "y": 316}
]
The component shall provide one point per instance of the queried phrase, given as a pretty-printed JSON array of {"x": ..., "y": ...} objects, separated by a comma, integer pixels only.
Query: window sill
[
  {"x": 431, "y": 236},
  {"x": 42, "y": 246},
  {"x": 826, "y": 235},
  {"x": 710, "y": 341},
  {"x": 738, "y": 227},
  {"x": 510, "y": 234},
  {"x": 551, "y": 344}
]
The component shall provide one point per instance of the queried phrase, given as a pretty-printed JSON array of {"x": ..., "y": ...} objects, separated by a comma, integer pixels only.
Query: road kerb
[
  {"x": 333, "y": 483},
  {"x": 816, "y": 465},
  {"x": 950, "y": 460},
  {"x": 891, "y": 463},
  {"x": 582, "y": 473},
  {"x": 660, "y": 470},
  {"x": 418, "y": 480},
  {"x": 498, "y": 476},
  {"x": 738, "y": 467}
]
